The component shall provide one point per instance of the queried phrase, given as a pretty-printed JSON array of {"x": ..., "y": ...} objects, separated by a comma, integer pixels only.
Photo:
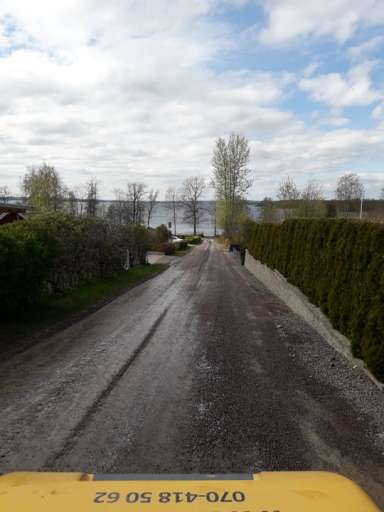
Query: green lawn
[{"x": 55, "y": 310}]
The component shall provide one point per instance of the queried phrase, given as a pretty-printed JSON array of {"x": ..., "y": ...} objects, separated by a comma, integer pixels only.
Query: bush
[
  {"x": 339, "y": 265},
  {"x": 168, "y": 249},
  {"x": 181, "y": 246},
  {"x": 162, "y": 234},
  {"x": 193, "y": 240},
  {"x": 25, "y": 262},
  {"x": 48, "y": 254}
]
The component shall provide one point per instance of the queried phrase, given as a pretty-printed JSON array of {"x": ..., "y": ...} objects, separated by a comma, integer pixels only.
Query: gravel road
[{"x": 199, "y": 370}]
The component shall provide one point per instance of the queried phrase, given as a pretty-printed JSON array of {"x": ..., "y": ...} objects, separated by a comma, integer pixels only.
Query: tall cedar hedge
[
  {"x": 339, "y": 266},
  {"x": 48, "y": 254}
]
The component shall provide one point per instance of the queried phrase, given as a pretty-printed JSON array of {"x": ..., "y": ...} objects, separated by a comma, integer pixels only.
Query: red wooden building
[{"x": 12, "y": 212}]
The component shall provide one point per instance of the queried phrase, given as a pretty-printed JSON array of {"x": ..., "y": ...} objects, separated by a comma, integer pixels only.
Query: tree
[
  {"x": 231, "y": 180},
  {"x": 349, "y": 187},
  {"x": 172, "y": 204},
  {"x": 312, "y": 201},
  {"x": 92, "y": 198},
  {"x": 151, "y": 204},
  {"x": 382, "y": 193},
  {"x": 350, "y": 191},
  {"x": 118, "y": 211},
  {"x": 287, "y": 190},
  {"x": 269, "y": 213},
  {"x": 192, "y": 190},
  {"x": 288, "y": 193},
  {"x": 4, "y": 194},
  {"x": 43, "y": 188},
  {"x": 135, "y": 197},
  {"x": 72, "y": 202}
]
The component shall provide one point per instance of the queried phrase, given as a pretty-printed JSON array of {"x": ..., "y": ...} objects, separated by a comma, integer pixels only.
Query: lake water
[{"x": 162, "y": 214}]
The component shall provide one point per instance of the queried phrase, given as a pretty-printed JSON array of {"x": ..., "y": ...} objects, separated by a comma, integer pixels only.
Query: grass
[
  {"x": 184, "y": 251},
  {"x": 52, "y": 311}
]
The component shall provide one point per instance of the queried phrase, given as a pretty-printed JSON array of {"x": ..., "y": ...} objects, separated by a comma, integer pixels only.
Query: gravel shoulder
[{"x": 200, "y": 369}]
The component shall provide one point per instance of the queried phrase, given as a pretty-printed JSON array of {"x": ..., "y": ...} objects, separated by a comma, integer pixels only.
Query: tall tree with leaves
[
  {"x": 231, "y": 180},
  {"x": 193, "y": 189},
  {"x": 43, "y": 188}
]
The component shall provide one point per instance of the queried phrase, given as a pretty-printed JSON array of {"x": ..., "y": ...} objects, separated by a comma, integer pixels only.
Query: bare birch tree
[
  {"x": 135, "y": 196},
  {"x": 349, "y": 191},
  {"x": 192, "y": 190},
  {"x": 288, "y": 190},
  {"x": 151, "y": 204},
  {"x": 312, "y": 201},
  {"x": 172, "y": 198},
  {"x": 4, "y": 194},
  {"x": 92, "y": 197}
]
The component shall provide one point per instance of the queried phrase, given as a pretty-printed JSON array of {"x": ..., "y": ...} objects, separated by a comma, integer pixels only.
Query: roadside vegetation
[
  {"x": 50, "y": 254},
  {"x": 51, "y": 311},
  {"x": 339, "y": 266},
  {"x": 231, "y": 181},
  {"x": 338, "y": 263}
]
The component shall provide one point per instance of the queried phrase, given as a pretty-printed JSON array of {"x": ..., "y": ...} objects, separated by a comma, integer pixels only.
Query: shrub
[
  {"x": 181, "y": 246},
  {"x": 193, "y": 240},
  {"x": 25, "y": 261},
  {"x": 168, "y": 248},
  {"x": 339, "y": 265},
  {"x": 54, "y": 252},
  {"x": 159, "y": 236}
]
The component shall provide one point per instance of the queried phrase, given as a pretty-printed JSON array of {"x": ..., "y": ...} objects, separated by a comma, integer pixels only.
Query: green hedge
[
  {"x": 48, "y": 254},
  {"x": 339, "y": 265},
  {"x": 193, "y": 240}
]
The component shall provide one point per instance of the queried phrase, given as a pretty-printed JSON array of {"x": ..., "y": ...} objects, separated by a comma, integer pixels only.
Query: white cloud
[
  {"x": 127, "y": 91},
  {"x": 362, "y": 50},
  {"x": 124, "y": 91},
  {"x": 321, "y": 156},
  {"x": 338, "y": 19},
  {"x": 355, "y": 89},
  {"x": 310, "y": 69},
  {"x": 378, "y": 112}
]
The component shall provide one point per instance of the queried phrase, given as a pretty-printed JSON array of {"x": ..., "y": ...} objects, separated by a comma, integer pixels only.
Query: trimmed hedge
[
  {"x": 339, "y": 266},
  {"x": 48, "y": 254},
  {"x": 193, "y": 240},
  {"x": 182, "y": 246}
]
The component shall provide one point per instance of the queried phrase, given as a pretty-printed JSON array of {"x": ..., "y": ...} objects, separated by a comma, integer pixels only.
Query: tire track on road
[{"x": 81, "y": 426}]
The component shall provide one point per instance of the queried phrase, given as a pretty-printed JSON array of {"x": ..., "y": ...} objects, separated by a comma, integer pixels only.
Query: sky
[{"x": 139, "y": 90}]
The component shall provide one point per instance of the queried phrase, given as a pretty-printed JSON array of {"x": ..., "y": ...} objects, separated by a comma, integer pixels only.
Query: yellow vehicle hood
[{"x": 262, "y": 492}]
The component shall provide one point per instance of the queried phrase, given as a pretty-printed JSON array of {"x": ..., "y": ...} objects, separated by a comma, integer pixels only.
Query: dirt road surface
[{"x": 198, "y": 370}]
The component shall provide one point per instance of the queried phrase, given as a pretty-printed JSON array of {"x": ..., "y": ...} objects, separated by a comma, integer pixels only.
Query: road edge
[{"x": 311, "y": 314}]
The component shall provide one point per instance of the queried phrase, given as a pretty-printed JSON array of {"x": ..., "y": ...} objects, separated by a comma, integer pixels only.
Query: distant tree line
[
  {"x": 231, "y": 179},
  {"x": 310, "y": 202},
  {"x": 45, "y": 191}
]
